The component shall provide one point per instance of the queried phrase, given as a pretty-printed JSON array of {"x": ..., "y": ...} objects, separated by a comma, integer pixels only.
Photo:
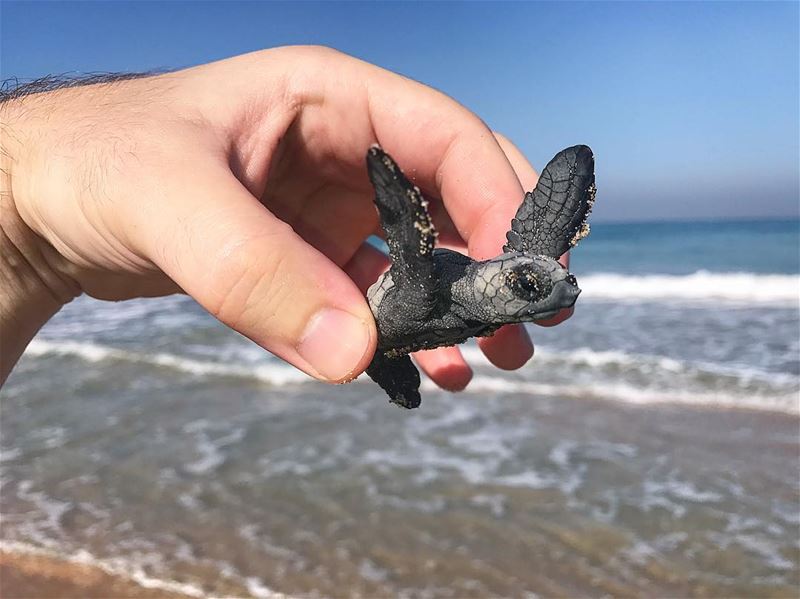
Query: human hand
[{"x": 242, "y": 183}]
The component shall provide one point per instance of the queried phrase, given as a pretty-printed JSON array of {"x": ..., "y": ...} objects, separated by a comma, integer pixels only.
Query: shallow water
[{"x": 651, "y": 448}]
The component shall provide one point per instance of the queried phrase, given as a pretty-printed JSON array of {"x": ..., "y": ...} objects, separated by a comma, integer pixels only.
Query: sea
[{"x": 650, "y": 448}]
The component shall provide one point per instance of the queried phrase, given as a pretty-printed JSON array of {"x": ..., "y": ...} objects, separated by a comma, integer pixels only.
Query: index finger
[
  {"x": 446, "y": 149},
  {"x": 341, "y": 105}
]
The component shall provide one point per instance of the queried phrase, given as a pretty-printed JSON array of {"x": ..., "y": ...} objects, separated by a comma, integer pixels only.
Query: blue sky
[{"x": 691, "y": 108}]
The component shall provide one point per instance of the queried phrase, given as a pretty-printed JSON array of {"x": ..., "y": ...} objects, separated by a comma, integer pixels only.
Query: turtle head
[{"x": 518, "y": 287}]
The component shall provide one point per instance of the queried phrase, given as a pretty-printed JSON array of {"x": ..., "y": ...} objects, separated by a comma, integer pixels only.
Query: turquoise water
[
  {"x": 650, "y": 448},
  {"x": 754, "y": 246}
]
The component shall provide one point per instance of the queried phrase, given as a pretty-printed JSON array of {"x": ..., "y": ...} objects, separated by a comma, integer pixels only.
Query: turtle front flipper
[
  {"x": 410, "y": 233},
  {"x": 398, "y": 377},
  {"x": 552, "y": 218}
]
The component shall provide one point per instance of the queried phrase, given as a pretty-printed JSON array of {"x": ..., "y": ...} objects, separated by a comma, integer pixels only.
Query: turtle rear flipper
[
  {"x": 398, "y": 377},
  {"x": 552, "y": 218},
  {"x": 410, "y": 234}
]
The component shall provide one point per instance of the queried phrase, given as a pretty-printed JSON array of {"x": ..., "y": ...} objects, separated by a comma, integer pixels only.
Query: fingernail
[{"x": 334, "y": 343}]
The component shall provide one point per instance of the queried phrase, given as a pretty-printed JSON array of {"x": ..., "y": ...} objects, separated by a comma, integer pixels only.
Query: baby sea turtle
[{"x": 435, "y": 297}]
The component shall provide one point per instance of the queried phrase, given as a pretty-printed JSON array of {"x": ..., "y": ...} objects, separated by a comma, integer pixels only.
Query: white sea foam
[
  {"x": 131, "y": 570},
  {"x": 584, "y": 356},
  {"x": 680, "y": 489},
  {"x": 369, "y": 570},
  {"x": 496, "y": 503},
  {"x": 257, "y": 588},
  {"x": 782, "y": 394},
  {"x": 430, "y": 460},
  {"x": 9, "y": 454},
  {"x": 52, "y": 509},
  {"x": 111, "y": 566},
  {"x": 783, "y": 402},
  {"x": 767, "y": 549},
  {"x": 485, "y": 441},
  {"x": 276, "y": 373},
  {"x": 50, "y": 436},
  {"x": 210, "y": 451},
  {"x": 702, "y": 286},
  {"x": 643, "y": 551}
]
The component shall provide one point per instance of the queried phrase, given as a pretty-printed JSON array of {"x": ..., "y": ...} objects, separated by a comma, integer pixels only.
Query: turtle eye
[{"x": 524, "y": 284}]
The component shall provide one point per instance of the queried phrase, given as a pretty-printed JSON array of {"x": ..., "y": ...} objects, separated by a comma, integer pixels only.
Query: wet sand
[{"x": 28, "y": 576}]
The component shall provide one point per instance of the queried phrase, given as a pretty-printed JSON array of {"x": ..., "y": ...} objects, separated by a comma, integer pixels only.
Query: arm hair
[{"x": 14, "y": 88}]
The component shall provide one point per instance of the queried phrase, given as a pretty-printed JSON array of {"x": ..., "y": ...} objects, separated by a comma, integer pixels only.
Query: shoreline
[{"x": 41, "y": 575}]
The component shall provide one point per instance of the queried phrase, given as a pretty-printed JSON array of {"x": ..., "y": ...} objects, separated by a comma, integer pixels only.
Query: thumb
[{"x": 256, "y": 275}]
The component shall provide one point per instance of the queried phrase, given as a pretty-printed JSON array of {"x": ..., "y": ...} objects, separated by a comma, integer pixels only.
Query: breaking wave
[
  {"x": 788, "y": 402},
  {"x": 701, "y": 286},
  {"x": 612, "y": 375},
  {"x": 276, "y": 373}
]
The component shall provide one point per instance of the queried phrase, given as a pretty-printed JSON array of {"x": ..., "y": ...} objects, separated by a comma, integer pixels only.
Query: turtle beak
[{"x": 564, "y": 295}]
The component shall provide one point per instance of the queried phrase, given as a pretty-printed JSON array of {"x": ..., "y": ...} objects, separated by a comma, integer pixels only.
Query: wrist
[
  {"x": 26, "y": 303},
  {"x": 32, "y": 287}
]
